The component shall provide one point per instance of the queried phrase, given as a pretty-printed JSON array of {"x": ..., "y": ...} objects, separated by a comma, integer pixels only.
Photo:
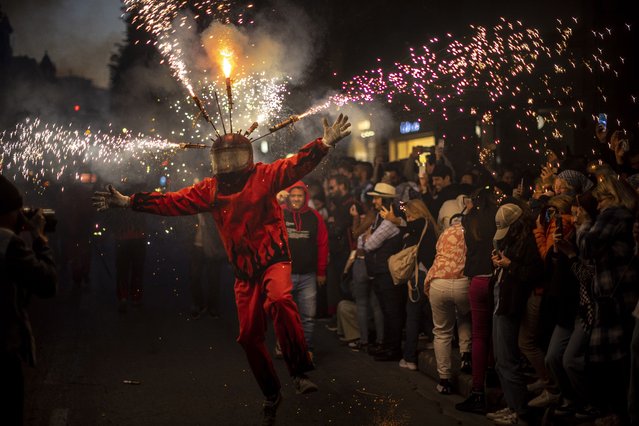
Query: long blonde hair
[
  {"x": 620, "y": 192},
  {"x": 417, "y": 208}
]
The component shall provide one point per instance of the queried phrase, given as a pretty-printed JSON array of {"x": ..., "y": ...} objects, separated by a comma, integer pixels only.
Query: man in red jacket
[{"x": 241, "y": 196}]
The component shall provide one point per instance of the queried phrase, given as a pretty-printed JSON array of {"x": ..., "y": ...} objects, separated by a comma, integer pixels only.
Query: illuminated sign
[{"x": 409, "y": 127}]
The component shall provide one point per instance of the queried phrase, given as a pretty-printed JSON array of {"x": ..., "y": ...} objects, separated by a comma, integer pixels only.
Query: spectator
[
  {"x": 25, "y": 271},
  {"x": 340, "y": 243},
  {"x": 421, "y": 229},
  {"x": 610, "y": 245},
  {"x": 308, "y": 241},
  {"x": 479, "y": 225},
  {"x": 363, "y": 293},
  {"x": 443, "y": 189},
  {"x": 382, "y": 240},
  {"x": 208, "y": 262},
  {"x": 517, "y": 264},
  {"x": 447, "y": 288}
]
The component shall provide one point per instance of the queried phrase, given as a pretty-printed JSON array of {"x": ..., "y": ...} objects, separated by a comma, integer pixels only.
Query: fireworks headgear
[{"x": 231, "y": 153}]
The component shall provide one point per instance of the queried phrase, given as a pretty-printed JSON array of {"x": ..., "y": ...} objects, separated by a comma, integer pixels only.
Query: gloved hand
[
  {"x": 337, "y": 131},
  {"x": 112, "y": 198}
]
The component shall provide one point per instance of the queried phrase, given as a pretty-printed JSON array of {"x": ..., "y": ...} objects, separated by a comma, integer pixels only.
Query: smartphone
[
  {"x": 559, "y": 227},
  {"x": 602, "y": 120},
  {"x": 423, "y": 158}
]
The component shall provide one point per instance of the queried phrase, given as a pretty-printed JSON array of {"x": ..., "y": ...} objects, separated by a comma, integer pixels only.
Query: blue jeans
[
  {"x": 416, "y": 313},
  {"x": 574, "y": 363},
  {"x": 366, "y": 301},
  {"x": 305, "y": 294},
  {"x": 513, "y": 381}
]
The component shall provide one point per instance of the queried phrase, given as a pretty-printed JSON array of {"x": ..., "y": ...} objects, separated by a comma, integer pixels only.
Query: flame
[{"x": 226, "y": 62}]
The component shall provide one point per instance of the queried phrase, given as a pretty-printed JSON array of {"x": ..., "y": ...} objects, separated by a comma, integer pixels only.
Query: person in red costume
[{"x": 241, "y": 196}]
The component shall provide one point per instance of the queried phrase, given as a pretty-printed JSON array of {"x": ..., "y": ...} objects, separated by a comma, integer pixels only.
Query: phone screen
[{"x": 603, "y": 120}]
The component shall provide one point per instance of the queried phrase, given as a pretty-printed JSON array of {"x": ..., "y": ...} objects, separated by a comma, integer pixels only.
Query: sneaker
[
  {"x": 537, "y": 387},
  {"x": 499, "y": 413},
  {"x": 466, "y": 363},
  {"x": 303, "y": 384},
  {"x": 545, "y": 399},
  {"x": 331, "y": 327},
  {"x": 269, "y": 410},
  {"x": 407, "y": 364},
  {"x": 444, "y": 387},
  {"x": 475, "y": 403},
  {"x": 358, "y": 345},
  {"x": 568, "y": 408},
  {"x": 588, "y": 413},
  {"x": 508, "y": 419}
]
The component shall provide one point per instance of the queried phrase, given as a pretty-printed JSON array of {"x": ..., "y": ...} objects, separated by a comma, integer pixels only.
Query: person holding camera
[{"x": 24, "y": 271}]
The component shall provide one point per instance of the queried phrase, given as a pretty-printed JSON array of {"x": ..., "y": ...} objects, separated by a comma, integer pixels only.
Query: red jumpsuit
[{"x": 252, "y": 228}]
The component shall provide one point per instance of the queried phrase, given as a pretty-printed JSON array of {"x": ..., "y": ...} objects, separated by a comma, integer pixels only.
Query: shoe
[
  {"x": 537, "y": 387},
  {"x": 508, "y": 419},
  {"x": 444, "y": 387},
  {"x": 475, "y": 403},
  {"x": 269, "y": 410},
  {"x": 466, "y": 363},
  {"x": 499, "y": 413},
  {"x": 568, "y": 408},
  {"x": 122, "y": 306},
  {"x": 407, "y": 364},
  {"x": 375, "y": 349},
  {"x": 303, "y": 384},
  {"x": 331, "y": 327},
  {"x": 278, "y": 351},
  {"x": 545, "y": 399},
  {"x": 588, "y": 413},
  {"x": 358, "y": 345},
  {"x": 388, "y": 355}
]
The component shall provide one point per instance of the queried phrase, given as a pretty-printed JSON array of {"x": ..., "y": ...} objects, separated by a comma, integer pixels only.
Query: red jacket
[{"x": 249, "y": 220}]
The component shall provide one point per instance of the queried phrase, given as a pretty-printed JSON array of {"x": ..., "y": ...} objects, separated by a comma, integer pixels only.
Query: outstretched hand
[
  {"x": 113, "y": 198},
  {"x": 337, "y": 131}
]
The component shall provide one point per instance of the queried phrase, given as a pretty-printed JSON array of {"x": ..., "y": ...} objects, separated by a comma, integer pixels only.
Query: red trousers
[{"x": 271, "y": 295}]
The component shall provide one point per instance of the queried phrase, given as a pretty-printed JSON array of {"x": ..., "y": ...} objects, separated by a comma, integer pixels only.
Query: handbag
[{"x": 403, "y": 264}]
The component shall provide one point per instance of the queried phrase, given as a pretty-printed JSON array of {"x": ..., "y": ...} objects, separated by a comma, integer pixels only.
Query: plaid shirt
[
  {"x": 384, "y": 231},
  {"x": 609, "y": 244}
]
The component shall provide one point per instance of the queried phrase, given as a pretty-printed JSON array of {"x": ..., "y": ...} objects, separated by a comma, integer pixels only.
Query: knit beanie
[{"x": 10, "y": 198}]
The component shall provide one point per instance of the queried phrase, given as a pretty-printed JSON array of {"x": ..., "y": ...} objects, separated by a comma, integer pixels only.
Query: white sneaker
[
  {"x": 498, "y": 414},
  {"x": 537, "y": 386},
  {"x": 409, "y": 365},
  {"x": 545, "y": 399},
  {"x": 508, "y": 419}
]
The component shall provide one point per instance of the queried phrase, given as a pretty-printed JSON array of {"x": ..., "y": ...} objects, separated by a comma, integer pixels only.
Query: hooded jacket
[{"x": 307, "y": 236}]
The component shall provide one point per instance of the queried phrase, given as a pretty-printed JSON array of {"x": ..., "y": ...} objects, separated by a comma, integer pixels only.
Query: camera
[{"x": 50, "y": 220}]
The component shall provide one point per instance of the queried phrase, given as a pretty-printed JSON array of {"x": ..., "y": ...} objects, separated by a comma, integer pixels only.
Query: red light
[{"x": 76, "y": 108}]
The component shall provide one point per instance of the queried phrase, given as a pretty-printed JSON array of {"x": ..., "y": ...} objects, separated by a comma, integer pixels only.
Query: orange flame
[{"x": 226, "y": 62}]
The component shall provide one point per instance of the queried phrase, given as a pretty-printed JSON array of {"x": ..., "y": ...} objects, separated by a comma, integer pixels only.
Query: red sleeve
[
  {"x": 287, "y": 171},
  {"x": 322, "y": 245},
  {"x": 187, "y": 201}
]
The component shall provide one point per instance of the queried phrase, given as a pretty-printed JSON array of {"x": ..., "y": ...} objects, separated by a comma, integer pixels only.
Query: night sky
[{"x": 80, "y": 35}]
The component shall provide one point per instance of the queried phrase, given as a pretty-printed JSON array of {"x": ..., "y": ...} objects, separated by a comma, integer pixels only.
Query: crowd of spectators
[{"x": 539, "y": 284}]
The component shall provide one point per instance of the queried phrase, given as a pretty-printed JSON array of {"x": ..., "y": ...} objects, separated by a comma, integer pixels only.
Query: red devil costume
[
  {"x": 250, "y": 222},
  {"x": 242, "y": 200}
]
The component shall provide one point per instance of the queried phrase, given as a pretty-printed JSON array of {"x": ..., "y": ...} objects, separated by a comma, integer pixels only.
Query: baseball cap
[{"x": 506, "y": 216}]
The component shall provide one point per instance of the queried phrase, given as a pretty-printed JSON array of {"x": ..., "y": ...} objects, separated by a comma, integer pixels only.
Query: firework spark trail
[
  {"x": 39, "y": 151},
  {"x": 258, "y": 98}
]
